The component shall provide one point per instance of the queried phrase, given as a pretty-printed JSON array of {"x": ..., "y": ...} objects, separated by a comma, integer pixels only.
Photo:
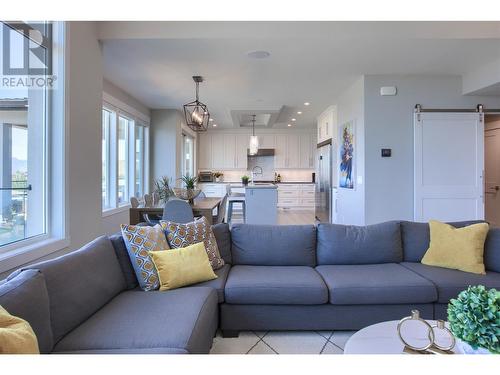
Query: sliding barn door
[{"x": 449, "y": 165}]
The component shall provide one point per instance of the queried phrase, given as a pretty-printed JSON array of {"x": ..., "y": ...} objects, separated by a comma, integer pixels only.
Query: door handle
[{"x": 496, "y": 188}]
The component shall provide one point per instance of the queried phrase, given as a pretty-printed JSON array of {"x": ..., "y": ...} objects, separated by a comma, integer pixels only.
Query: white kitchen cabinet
[
  {"x": 267, "y": 141},
  {"x": 229, "y": 151},
  {"x": 226, "y": 151},
  {"x": 205, "y": 151},
  {"x": 296, "y": 196},
  {"x": 327, "y": 124},
  {"x": 287, "y": 151},
  {"x": 307, "y": 148},
  {"x": 242, "y": 142},
  {"x": 218, "y": 151},
  {"x": 293, "y": 153},
  {"x": 280, "y": 151}
]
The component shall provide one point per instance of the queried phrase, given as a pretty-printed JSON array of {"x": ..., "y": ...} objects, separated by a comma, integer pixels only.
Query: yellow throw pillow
[
  {"x": 457, "y": 248},
  {"x": 16, "y": 335},
  {"x": 184, "y": 266}
]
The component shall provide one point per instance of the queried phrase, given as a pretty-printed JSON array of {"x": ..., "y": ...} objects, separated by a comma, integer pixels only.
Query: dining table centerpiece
[
  {"x": 163, "y": 189},
  {"x": 189, "y": 191}
]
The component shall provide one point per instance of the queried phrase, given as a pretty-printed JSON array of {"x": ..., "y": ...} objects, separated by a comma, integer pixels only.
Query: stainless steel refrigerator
[{"x": 323, "y": 210}]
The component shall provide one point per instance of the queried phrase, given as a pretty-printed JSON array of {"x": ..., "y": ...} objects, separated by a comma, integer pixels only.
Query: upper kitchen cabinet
[
  {"x": 267, "y": 141},
  {"x": 242, "y": 142},
  {"x": 327, "y": 124},
  {"x": 205, "y": 151},
  {"x": 287, "y": 153},
  {"x": 307, "y": 148},
  {"x": 218, "y": 151}
]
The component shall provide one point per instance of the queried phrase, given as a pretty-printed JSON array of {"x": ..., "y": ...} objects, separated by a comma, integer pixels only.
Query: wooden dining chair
[
  {"x": 148, "y": 200},
  {"x": 134, "y": 202}
]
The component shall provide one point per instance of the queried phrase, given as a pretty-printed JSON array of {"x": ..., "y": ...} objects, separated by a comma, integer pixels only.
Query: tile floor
[{"x": 282, "y": 342}]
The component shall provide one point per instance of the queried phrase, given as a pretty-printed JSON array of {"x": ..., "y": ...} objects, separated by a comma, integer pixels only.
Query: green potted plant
[
  {"x": 244, "y": 180},
  {"x": 218, "y": 176},
  {"x": 474, "y": 318},
  {"x": 163, "y": 189},
  {"x": 188, "y": 192}
]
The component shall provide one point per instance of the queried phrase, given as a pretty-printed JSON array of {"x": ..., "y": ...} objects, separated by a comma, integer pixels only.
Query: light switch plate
[
  {"x": 388, "y": 91},
  {"x": 359, "y": 180}
]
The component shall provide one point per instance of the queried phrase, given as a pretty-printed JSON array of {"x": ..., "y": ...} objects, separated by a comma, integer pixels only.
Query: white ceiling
[{"x": 310, "y": 61}]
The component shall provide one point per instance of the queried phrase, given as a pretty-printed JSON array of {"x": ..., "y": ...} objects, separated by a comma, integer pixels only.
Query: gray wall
[
  {"x": 165, "y": 144},
  {"x": 350, "y": 106},
  {"x": 116, "y": 92},
  {"x": 389, "y": 124}
]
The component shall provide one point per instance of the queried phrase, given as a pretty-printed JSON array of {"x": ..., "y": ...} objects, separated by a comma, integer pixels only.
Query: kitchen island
[{"x": 261, "y": 201}]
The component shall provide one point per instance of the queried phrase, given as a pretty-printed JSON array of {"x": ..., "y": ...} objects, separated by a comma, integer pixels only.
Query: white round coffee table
[{"x": 382, "y": 338}]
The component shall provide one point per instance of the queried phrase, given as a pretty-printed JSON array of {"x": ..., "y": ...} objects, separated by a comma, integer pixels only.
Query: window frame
[
  {"x": 135, "y": 118},
  {"x": 55, "y": 184}
]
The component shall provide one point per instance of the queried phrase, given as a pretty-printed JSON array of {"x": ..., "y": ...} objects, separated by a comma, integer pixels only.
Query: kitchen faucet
[{"x": 254, "y": 172}]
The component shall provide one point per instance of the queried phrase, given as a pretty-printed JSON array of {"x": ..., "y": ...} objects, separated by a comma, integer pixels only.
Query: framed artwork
[{"x": 347, "y": 157}]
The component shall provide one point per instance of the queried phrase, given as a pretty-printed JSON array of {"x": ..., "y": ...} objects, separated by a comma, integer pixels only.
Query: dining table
[{"x": 201, "y": 207}]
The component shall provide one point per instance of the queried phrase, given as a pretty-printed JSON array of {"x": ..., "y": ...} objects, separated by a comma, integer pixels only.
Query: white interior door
[
  {"x": 449, "y": 165},
  {"x": 492, "y": 176}
]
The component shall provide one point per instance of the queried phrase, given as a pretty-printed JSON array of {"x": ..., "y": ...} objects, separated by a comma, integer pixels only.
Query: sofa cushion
[
  {"x": 223, "y": 237},
  {"x": 219, "y": 283},
  {"x": 134, "y": 321},
  {"x": 273, "y": 245},
  {"x": 140, "y": 241},
  {"x": 492, "y": 250},
  {"x": 416, "y": 238},
  {"x": 451, "y": 282},
  {"x": 350, "y": 244},
  {"x": 124, "y": 260},
  {"x": 80, "y": 283},
  {"x": 366, "y": 284},
  {"x": 275, "y": 285},
  {"x": 24, "y": 294},
  {"x": 182, "y": 235}
]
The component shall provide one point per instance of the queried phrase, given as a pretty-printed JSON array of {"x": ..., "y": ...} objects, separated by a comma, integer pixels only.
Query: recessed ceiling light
[
  {"x": 289, "y": 125},
  {"x": 258, "y": 54},
  {"x": 214, "y": 125},
  {"x": 211, "y": 119},
  {"x": 299, "y": 112},
  {"x": 307, "y": 103},
  {"x": 294, "y": 119}
]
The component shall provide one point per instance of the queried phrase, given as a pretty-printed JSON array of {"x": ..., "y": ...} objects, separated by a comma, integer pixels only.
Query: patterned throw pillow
[
  {"x": 139, "y": 241},
  {"x": 182, "y": 235}
]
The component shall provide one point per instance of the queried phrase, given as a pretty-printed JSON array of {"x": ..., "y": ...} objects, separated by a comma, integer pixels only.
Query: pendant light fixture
[
  {"x": 195, "y": 112},
  {"x": 254, "y": 140}
]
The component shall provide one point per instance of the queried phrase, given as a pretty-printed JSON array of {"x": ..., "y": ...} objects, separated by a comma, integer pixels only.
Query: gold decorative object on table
[
  {"x": 186, "y": 194},
  {"x": 432, "y": 347}
]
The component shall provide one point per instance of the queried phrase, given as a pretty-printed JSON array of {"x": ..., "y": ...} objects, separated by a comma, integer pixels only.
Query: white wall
[
  {"x": 389, "y": 124},
  {"x": 350, "y": 106}
]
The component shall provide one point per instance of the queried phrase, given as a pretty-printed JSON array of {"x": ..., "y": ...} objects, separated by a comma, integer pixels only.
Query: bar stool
[{"x": 233, "y": 198}]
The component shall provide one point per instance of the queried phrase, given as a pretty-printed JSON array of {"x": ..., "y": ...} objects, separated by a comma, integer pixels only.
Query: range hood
[{"x": 262, "y": 152}]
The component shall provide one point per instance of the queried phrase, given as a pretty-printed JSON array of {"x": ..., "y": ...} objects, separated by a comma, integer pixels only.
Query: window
[
  {"x": 106, "y": 126},
  {"x": 124, "y": 157},
  {"x": 139, "y": 161},
  {"x": 187, "y": 155},
  {"x": 123, "y": 165},
  {"x": 23, "y": 145}
]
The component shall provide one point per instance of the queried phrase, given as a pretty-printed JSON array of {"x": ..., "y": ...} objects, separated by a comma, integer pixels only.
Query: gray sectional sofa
[{"x": 329, "y": 277}]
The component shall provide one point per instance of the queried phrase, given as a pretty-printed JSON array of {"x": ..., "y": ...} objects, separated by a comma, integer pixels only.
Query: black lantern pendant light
[{"x": 196, "y": 113}]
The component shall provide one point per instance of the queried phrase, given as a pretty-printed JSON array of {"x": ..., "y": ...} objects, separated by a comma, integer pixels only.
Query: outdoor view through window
[{"x": 22, "y": 149}]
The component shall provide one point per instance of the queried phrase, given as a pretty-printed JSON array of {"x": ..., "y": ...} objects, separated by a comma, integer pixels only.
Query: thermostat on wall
[{"x": 388, "y": 91}]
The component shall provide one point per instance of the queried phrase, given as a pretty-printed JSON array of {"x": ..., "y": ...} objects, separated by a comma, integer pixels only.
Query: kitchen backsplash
[{"x": 287, "y": 175}]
